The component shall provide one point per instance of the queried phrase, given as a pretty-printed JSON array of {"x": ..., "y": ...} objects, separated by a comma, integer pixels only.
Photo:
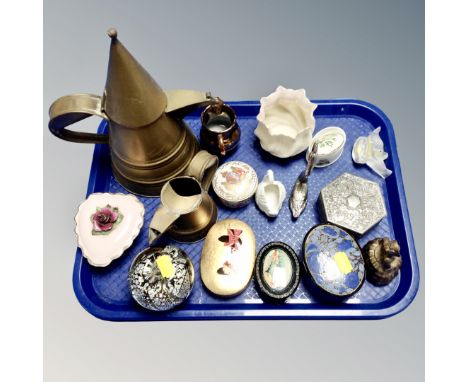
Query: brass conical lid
[{"x": 132, "y": 97}]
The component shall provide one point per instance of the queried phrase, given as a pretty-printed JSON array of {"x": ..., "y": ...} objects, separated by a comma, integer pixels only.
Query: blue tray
[{"x": 104, "y": 292}]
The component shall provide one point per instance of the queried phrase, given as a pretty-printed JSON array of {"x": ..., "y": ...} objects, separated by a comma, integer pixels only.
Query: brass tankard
[{"x": 149, "y": 142}]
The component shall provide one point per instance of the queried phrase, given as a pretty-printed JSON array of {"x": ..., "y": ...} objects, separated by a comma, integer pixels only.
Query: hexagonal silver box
[{"x": 353, "y": 203}]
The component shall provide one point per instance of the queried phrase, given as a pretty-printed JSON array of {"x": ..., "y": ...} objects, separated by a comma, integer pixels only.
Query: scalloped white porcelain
[
  {"x": 270, "y": 195},
  {"x": 285, "y": 122},
  {"x": 101, "y": 247}
]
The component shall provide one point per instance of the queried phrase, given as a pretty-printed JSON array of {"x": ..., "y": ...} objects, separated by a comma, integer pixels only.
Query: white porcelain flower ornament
[
  {"x": 285, "y": 122},
  {"x": 370, "y": 150}
]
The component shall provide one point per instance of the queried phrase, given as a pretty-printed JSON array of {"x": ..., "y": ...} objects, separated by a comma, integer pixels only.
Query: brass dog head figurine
[{"x": 383, "y": 260}]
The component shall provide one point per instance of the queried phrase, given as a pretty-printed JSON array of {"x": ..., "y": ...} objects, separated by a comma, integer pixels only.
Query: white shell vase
[
  {"x": 285, "y": 122},
  {"x": 270, "y": 195}
]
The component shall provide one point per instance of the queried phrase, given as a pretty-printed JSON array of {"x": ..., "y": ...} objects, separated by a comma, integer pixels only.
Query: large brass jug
[{"x": 149, "y": 142}]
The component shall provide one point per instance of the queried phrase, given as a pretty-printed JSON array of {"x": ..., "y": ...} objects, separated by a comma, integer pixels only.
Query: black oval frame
[{"x": 263, "y": 288}]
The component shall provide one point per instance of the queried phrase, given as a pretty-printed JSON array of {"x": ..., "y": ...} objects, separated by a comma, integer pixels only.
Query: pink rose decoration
[{"x": 105, "y": 218}]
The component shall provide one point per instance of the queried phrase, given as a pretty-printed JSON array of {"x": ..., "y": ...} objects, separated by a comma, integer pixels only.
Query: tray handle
[{"x": 71, "y": 109}]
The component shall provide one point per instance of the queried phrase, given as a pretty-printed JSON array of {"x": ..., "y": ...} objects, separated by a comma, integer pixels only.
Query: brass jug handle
[
  {"x": 221, "y": 145},
  {"x": 73, "y": 108},
  {"x": 182, "y": 102},
  {"x": 203, "y": 167},
  {"x": 162, "y": 220}
]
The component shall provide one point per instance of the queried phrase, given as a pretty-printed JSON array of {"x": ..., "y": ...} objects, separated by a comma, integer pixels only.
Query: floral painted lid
[
  {"x": 331, "y": 141},
  {"x": 235, "y": 182},
  {"x": 334, "y": 260}
]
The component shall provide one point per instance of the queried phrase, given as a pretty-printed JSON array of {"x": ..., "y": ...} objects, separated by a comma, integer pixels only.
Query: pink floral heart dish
[{"x": 106, "y": 225}]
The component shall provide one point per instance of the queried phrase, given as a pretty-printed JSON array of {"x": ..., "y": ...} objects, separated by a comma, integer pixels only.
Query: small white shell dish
[
  {"x": 331, "y": 141},
  {"x": 370, "y": 150},
  {"x": 270, "y": 195},
  {"x": 106, "y": 225},
  {"x": 285, "y": 122}
]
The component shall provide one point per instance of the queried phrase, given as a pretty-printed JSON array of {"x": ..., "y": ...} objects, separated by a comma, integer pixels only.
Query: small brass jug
[
  {"x": 149, "y": 142},
  {"x": 186, "y": 211}
]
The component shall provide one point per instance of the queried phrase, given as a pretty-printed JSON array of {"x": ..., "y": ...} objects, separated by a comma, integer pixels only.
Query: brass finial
[{"x": 112, "y": 33}]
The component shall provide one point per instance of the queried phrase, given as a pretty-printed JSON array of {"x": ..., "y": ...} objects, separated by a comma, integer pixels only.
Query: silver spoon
[{"x": 298, "y": 199}]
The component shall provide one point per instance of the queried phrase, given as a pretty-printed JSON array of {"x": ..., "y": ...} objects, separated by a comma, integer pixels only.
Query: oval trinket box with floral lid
[
  {"x": 331, "y": 142},
  {"x": 228, "y": 257}
]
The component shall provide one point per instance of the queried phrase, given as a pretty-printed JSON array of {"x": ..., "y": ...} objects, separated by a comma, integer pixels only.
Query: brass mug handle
[
  {"x": 74, "y": 108},
  {"x": 203, "y": 167}
]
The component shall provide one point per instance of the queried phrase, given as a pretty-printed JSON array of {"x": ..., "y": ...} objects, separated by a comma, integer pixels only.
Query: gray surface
[{"x": 372, "y": 50}]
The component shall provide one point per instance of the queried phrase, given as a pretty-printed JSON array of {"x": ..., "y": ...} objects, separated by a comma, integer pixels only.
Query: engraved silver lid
[{"x": 353, "y": 203}]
